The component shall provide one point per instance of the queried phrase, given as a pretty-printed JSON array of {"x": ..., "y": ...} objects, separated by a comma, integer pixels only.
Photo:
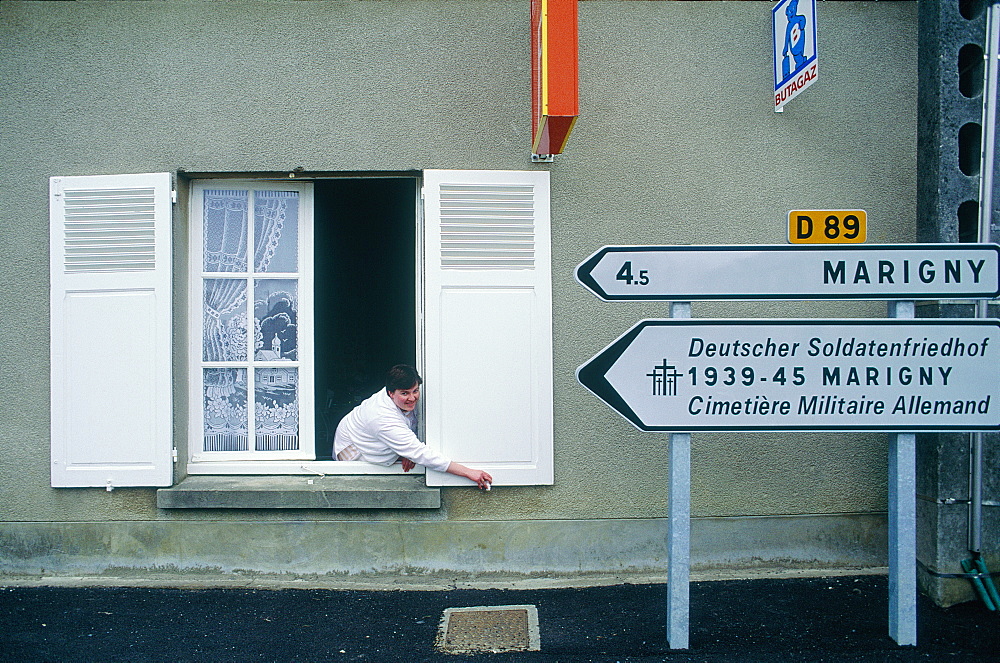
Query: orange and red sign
[{"x": 554, "y": 78}]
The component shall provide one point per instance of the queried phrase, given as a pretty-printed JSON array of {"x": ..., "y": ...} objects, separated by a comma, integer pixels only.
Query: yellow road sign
[{"x": 837, "y": 226}]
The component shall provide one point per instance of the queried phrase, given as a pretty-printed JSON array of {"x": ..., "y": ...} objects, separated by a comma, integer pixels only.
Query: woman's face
[{"x": 406, "y": 399}]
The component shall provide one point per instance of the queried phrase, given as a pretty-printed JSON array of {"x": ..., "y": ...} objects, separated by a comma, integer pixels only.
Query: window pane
[
  {"x": 225, "y": 320},
  {"x": 276, "y": 231},
  {"x": 276, "y": 401},
  {"x": 226, "y": 409},
  {"x": 225, "y": 222},
  {"x": 275, "y": 312}
]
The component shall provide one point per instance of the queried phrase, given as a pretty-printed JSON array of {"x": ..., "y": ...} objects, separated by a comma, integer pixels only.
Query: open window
[{"x": 301, "y": 294}]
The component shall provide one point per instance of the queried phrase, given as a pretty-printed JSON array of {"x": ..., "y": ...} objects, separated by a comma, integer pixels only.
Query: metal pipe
[
  {"x": 976, "y": 495},
  {"x": 985, "y": 217},
  {"x": 989, "y": 124},
  {"x": 977, "y": 584},
  {"x": 991, "y": 588}
]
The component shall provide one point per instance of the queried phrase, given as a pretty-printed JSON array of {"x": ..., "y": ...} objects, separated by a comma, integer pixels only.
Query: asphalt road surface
[{"x": 840, "y": 618}]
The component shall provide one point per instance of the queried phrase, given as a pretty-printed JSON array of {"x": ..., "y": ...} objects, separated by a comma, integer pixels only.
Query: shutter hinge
[
  {"x": 173, "y": 454},
  {"x": 173, "y": 196}
]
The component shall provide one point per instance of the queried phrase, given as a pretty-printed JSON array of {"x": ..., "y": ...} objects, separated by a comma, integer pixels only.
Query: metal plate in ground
[{"x": 500, "y": 628}]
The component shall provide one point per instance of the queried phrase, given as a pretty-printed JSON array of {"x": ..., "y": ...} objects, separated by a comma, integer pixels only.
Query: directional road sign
[
  {"x": 889, "y": 271},
  {"x": 834, "y": 375}
]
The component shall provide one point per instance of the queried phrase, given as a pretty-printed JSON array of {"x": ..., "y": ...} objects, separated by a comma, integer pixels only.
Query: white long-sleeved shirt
[{"x": 382, "y": 434}]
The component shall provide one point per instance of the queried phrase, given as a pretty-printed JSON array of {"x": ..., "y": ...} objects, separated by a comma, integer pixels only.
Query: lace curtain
[
  {"x": 227, "y": 245},
  {"x": 226, "y": 240}
]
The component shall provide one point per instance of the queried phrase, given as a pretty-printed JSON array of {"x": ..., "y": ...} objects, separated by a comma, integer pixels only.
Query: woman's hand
[{"x": 481, "y": 478}]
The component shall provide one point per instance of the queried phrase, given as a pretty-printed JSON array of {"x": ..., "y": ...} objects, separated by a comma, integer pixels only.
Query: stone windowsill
[{"x": 299, "y": 492}]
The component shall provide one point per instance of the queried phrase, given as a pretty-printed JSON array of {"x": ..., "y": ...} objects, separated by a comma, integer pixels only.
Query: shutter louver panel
[
  {"x": 486, "y": 226},
  {"x": 110, "y": 349},
  {"x": 488, "y": 322},
  {"x": 109, "y": 230}
]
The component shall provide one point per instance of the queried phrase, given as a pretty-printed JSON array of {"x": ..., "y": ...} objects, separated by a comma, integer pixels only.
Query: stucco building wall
[{"x": 677, "y": 143}]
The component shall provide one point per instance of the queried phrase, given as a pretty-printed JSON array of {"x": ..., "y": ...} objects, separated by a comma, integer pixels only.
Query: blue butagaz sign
[{"x": 795, "y": 63}]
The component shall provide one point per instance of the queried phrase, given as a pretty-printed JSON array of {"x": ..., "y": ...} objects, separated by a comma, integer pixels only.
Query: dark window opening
[{"x": 365, "y": 292}]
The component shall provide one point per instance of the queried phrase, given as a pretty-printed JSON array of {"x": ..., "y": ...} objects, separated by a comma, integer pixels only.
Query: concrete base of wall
[
  {"x": 944, "y": 514},
  {"x": 512, "y": 549}
]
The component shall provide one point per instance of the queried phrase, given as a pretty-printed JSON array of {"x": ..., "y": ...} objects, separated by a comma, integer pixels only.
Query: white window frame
[{"x": 251, "y": 461}]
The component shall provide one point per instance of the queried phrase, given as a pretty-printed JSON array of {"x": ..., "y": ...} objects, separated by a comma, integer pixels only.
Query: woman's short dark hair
[{"x": 401, "y": 376}]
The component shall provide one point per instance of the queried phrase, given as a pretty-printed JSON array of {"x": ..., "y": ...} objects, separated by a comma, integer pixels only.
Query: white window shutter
[
  {"x": 110, "y": 271},
  {"x": 488, "y": 323}
]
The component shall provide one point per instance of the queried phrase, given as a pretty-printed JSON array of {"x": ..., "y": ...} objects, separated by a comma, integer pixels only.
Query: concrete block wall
[{"x": 952, "y": 43}]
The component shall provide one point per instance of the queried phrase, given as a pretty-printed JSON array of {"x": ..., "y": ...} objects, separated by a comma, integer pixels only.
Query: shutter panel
[
  {"x": 110, "y": 272},
  {"x": 488, "y": 323}
]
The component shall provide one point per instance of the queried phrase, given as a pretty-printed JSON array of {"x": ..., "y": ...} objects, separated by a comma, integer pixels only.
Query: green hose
[
  {"x": 969, "y": 566},
  {"x": 991, "y": 589}
]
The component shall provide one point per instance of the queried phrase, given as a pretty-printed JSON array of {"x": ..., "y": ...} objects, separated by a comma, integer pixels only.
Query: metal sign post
[
  {"x": 902, "y": 523},
  {"x": 679, "y": 527}
]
